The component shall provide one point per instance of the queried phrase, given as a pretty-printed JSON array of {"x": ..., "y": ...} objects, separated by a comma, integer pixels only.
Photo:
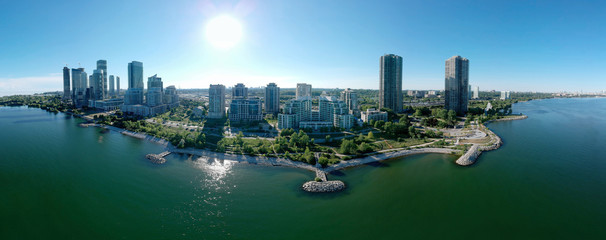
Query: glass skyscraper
[
  {"x": 272, "y": 99},
  {"x": 456, "y": 90},
  {"x": 390, "y": 83}
]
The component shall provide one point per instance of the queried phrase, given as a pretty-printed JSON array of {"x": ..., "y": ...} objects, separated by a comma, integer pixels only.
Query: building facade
[
  {"x": 476, "y": 92},
  {"x": 245, "y": 109},
  {"x": 66, "y": 91},
  {"x": 239, "y": 91},
  {"x": 134, "y": 93},
  {"x": 272, "y": 99},
  {"x": 390, "y": 82},
  {"x": 98, "y": 88},
  {"x": 117, "y": 86},
  {"x": 216, "y": 101},
  {"x": 155, "y": 82},
  {"x": 112, "y": 90},
  {"x": 456, "y": 84},
  {"x": 373, "y": 114},
  {"x": 102, "y": 66},
  {"x": 350, "y": 97},
  {"x": 303, "y": 90},
  {"x": 79, "y": 86},
  {"x": 299, "y": 113}
]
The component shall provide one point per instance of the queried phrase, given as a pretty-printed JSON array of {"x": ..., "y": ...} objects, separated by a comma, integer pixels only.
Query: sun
[{"x": 223, "y": 32}]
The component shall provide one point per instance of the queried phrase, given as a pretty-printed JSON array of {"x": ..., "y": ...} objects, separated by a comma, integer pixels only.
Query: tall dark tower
[
  {"x": 456, "y": 89},
  {"x": 66, "y": 86},
  {"x": 390, "y": 85}
]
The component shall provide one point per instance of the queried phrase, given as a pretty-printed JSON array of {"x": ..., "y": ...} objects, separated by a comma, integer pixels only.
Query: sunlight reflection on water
[{"x": 213, "y": 179}]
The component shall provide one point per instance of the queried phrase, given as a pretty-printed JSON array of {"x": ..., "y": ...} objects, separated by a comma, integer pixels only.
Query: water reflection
[{"x": 215, "y": 172}]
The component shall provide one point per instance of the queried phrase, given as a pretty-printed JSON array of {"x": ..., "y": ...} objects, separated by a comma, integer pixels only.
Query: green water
[{"x": 59, "y": 181}]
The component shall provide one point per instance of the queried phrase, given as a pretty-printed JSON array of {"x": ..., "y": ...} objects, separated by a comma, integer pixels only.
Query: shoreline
[{"x": 468, "y": 158}]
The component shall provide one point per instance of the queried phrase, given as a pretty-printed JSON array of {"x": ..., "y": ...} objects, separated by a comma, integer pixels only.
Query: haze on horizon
[{"x": 511, "y": 45}]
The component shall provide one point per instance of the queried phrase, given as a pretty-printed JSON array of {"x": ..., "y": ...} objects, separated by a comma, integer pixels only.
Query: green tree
[
  {"x": 365, "y": 148},
  {"x": 371, "y": 136},
  {"x": 323, "y": 161},
  {"x": 348, "y": 147}
]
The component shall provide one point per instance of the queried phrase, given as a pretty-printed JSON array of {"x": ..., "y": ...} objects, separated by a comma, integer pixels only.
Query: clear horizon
[{"x": 545, "y": 46}]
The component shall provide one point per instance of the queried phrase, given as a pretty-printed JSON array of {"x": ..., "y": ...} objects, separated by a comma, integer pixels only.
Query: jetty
[{"x": 157, "y": 158}]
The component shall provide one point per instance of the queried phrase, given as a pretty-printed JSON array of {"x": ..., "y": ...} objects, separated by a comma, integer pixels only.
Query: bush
[
  {"x": 323, "y": 161},
  {"x": 317, "y": 179}
]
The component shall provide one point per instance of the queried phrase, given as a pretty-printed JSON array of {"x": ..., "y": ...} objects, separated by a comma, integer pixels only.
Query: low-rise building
[{"x": 373, "y": 114}]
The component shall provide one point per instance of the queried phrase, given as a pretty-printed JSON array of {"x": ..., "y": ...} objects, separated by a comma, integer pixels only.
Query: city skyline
[{"x": 531, "y": 51}]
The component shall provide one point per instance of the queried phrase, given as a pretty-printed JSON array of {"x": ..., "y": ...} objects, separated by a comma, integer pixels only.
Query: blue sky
[{"x": 511, "y": 45}]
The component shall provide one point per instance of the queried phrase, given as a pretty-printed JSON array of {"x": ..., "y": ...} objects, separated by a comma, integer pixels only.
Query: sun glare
[{"x": 223, "y": 32}]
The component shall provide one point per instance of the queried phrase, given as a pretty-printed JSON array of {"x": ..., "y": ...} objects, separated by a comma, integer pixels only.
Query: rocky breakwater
[
  {"x": 474, "y": 151},
  {"x": 511, "y": 118},
  {"x": 155, "y": 158},
  {"x": 469, "y": 157},
  {"x": 322, "y": 187}
]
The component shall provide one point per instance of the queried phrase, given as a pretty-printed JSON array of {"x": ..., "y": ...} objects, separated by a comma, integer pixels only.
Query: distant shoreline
[{"x": 467, "y": 158}]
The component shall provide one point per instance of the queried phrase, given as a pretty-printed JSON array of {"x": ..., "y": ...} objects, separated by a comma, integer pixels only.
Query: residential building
[
  {"x": 245, "y": 109},
  {"x": 505, "y": 95},
  {"x": 390, "y": 83},
  {"x": 456, "y": 84},
  {"x": 102, "y": 66},
  {"x": 272, "y": 99},
  {"x": 171, "y": 97},
  {"x": 303, "y": 90},
  {"x": 98, "y": 89},
  {"x": 299, "y": 113},
  {"x": 134, "y": 93},
  {"x": 216, "y": 101},
  {"x": 117, "y": 86},
  {"x": 373, "y": 114},
  {"x": 476, "y": 92},
  {"x": 112, "y": 91},
  {"x": 66, "y": 85},
  {"x": 79, "y": 86},
  {"x": 239, "y": 91},
  {"x": 350, "y": 97},
  {"x": 155, "y": 82},
  {"x": 157, "y": 100}
]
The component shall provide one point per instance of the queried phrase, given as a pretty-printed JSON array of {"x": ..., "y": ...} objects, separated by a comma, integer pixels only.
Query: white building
[
  {"x": 245, "y": 109},
  {"x": 372, "y": 114},
  {"x": 303, "y": 90},
  {"x": 216, "y": 101}
]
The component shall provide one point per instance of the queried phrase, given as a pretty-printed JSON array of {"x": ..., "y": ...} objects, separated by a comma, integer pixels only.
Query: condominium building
[
  {"x": 303, "y": 90},
  {"x": 102, "y": 66},
  {"x": 373, "y": 114},
  {"x": 216, "y": 101},
  {"x": 117, "y": 86},
  {"x": 112, "y": 91},
  {"x": 390, "y": 82},
  {"x": 239, "y": 91},
  {"x": 505, "y": 95},
  {"x": 98, "y": 90},
  {"x": 245, "y": 109},
  {"x": 272, "y": 99},
  {"x": 456, "y": 84},
  {"x": 476, "y": 92},
  {"x": 299, "y": 113},
  {"x": 134, "y": 93},
  {"x": 79, "y": 86},
  {"x": 66, "y": 79},
  {"x": 350, "y": 97}
]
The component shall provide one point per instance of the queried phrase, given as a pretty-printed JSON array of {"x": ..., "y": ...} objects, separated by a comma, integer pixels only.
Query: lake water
[{"x": 59, "y": 180}]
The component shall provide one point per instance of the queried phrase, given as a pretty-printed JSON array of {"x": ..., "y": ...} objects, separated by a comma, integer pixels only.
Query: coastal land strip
[{"x": 321, "y": 184}]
